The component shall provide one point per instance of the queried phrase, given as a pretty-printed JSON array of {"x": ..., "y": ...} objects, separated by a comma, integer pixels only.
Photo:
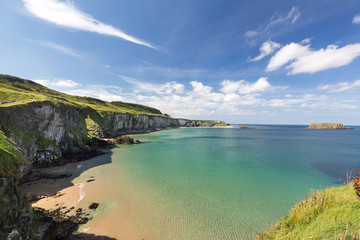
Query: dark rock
[
  {"x": 15, "y": 210},
  {"x": 98, "y": 143},
  {"x": 54, "y": 224},
  {"x": 124, "y": 140},
  {"x": 90, "y": 180},
  {"x": 79, "y": 210},
  {"x": 94, "y": 206},
  {"x": 14, "y": 235}
]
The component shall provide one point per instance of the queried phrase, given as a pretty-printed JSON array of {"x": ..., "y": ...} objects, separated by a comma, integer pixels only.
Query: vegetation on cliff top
[
  {"x": 17, "y": 91},
  {"x": 329, "y": 214},
  {"x": 11, "y": 158}
]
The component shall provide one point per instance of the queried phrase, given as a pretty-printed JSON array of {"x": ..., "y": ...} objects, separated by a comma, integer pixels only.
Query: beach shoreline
[
  {"x": 74, "y": 192},
  {"x": 65, "y": 195}
]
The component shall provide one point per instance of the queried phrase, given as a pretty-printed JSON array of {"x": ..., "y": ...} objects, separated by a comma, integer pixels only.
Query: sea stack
[{"x": 327, "y": 126}]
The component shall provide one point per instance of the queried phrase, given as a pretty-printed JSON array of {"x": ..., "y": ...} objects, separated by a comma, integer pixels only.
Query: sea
[{"x": 214, "y": 183}]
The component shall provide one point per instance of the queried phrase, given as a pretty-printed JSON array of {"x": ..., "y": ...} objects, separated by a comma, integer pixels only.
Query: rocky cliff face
[
  {"x": 44, "y": 131},
  {"x": 117, "y": 124},
  {"x": 15, "y": 211}
]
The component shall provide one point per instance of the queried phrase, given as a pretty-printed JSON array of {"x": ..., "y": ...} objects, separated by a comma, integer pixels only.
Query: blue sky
[{"x": 283, "y": 62}]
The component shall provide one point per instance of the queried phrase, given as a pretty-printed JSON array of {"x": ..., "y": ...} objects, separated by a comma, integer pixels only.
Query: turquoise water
[{"x": 229, "y": 183}]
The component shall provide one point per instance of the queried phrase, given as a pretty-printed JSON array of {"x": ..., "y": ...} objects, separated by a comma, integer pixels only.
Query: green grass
[
  {"x": 333, "y": 213},
  {"x": 92, "y": 127},
  {"x": 16, "y": 91},
  {"x": 10, "y": 157}
]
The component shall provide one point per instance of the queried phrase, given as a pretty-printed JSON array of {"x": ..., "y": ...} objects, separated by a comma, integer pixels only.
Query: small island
[
  {"x": 245, "y": 126},
  {"x": 327, "y": 126}
]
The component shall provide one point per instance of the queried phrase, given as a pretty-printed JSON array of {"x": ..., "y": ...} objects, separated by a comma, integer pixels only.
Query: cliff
[
  {"x": 47, "y": 125},
  {"x": 39, "y": 126},
  {"x": 327, "y": 126},
  {"x": 15, "y": 212}
]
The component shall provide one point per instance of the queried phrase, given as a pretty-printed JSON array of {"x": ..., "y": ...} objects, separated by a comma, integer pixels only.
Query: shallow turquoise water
[{"x": 215, "y": 183}]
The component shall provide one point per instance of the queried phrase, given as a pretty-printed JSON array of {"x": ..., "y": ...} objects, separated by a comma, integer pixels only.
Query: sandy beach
[{"x": 86, "y": 186}]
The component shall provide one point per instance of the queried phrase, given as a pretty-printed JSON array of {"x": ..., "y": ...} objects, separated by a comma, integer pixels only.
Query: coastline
[
  {"x": 127, "y": 206},
  {"x": 84, "y": 188},
  {"x": 66, "y": 195}
]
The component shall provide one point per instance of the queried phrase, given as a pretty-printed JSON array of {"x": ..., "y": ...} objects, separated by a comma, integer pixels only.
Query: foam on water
[{"x": 81, "y": 192}]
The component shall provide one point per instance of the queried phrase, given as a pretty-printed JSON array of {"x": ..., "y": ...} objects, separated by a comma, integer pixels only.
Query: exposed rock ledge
[{"x": 327, "y": 126}]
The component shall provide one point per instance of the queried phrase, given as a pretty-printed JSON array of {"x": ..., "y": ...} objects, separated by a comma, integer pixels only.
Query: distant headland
[{"x": 327, "y": 126}]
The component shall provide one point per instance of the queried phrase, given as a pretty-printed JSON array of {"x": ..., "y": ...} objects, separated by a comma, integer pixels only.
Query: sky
[{"x": 241, "y": 61}]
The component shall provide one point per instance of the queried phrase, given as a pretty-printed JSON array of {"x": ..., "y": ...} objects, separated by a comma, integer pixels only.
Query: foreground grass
[
  {"x": 333, "y": 213},
  {"x": 10, "y": 157}
]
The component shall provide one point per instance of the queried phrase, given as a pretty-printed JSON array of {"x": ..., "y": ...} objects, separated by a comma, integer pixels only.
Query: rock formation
[{"x": 327, "y": 126}]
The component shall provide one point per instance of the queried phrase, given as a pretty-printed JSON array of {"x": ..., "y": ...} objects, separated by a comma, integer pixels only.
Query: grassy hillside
[
  {"x": 333, "y": 213},
  {"x": 10, "y": 157},
  {"x": 15, "y": 91}
]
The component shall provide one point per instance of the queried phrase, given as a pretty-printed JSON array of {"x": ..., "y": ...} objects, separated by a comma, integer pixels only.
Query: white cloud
[
  {"x": 200, "y": 88},
  {"x": 302, "y": 59},
  {"x": 166, "y": 88},
  {"x": 196, "y": 98},
  {"x": 276, "y": 20},
  {"x": 61, "y": 83},
  {"x": 306, "y": 41},
  {"x": 326, "y": 106},
  {"x": 244, "y": 87},
  {"x": 340, "y": 87},
  {"x": 58, "y": 47},
  {"x": 66, "y": 15},
  {"x": 266, "y": 49},
  {"x": 199, "y": 99},
  {"x": 356, "y": 19},
  {"x": 106, "y": 93}
]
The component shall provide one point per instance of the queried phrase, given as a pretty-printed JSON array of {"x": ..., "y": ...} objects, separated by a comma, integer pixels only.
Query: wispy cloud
[
  {"x": 276, "y": 20},
  {"x": 66, "y": 15},
  {"x": 356, "y": 19},
  {"x": 266, "y": 49},
  {"x": 57, "y": 47},
  {"x": 302, "y": 59},
  {"x": 104, "y": 92},
  {"x": 167, "y": 88},
  {"x": 340, "y": 87},
  {"x": 61, "y": 83},
  {"x": 156, "y": 71}
]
